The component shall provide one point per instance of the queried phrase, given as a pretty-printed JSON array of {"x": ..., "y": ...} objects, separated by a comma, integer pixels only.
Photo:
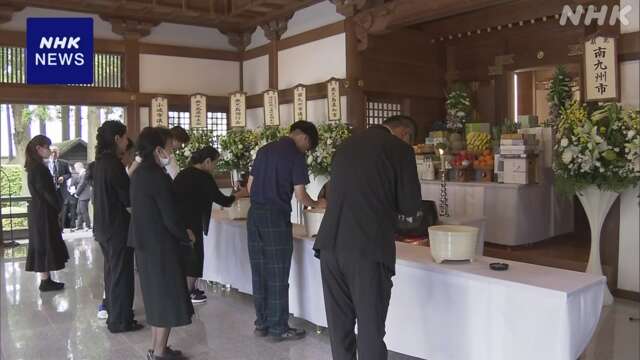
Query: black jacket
[
  {"x": 195, "y": 192},
  {"x": 373, "y": 180},
  {"x": 83, "y": 187},
  {"x": 111, "y": 198},
  {"x": 61, "y": 169},
  {"x": 155, "y": 224}
]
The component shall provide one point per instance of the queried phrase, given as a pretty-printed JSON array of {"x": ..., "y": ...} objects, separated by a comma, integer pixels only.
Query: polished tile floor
[{"x": 63, "y": 325}]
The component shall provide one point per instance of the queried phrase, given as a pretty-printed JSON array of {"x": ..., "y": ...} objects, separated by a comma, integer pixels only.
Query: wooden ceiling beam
[
  {"x": 207, "y": 13},
  {"x": 494, "y": 16}
]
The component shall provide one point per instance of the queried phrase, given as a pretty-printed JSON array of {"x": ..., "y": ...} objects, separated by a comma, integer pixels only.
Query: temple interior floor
[{"x": 63, "y": 325}]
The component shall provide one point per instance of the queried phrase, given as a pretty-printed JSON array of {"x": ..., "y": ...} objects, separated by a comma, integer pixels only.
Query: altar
[
  {"x": 516, "y": 214},
  {"x": 444, "y": 311}
]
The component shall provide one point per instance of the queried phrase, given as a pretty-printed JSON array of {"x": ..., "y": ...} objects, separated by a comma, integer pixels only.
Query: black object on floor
[{"x": 50, "y": 285}]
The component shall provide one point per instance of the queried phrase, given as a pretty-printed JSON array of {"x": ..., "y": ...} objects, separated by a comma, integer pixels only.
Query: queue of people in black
[{"x": 141, "y": 212}]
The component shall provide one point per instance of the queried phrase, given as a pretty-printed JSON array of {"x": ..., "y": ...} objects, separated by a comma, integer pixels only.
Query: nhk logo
[
  {"x": 59, "y": 51},
  {"x": 592, "y": 13}
]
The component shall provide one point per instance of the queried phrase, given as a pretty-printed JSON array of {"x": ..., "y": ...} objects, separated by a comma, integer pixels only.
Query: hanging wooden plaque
[{"x": 238, "y": 109}]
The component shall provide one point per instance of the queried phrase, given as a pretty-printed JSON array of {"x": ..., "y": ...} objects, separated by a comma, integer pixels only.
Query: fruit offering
[
  {"x": 478, "y": 142},
  {"x": 484, "y": 161},
  {"x": 464, "y": 159}
]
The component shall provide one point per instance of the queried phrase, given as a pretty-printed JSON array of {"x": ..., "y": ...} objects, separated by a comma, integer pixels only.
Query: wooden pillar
[
  {"x": 273, "y": 64},
  {"x": 273, "y": 30},
  {"x": 131, "y": 31},
  {"x": 355, "y": 92},
  {"x": 132, "y": 84}
]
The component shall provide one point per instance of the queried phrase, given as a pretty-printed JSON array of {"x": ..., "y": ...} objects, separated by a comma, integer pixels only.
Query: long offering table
[{"x": 450, "y": 311}]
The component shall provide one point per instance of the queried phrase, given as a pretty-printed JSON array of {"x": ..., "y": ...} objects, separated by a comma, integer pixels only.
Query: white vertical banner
[
  {"x": 334, "y": 111},
  {"x": 600, "y": 69},
  {"x": 271, "y": 108},
  {"x": 159, "y": 111},
  {"x": 198, "y": 111},
  {"x": 238, "y": 109},
  {"x": 299, "y": 103}
]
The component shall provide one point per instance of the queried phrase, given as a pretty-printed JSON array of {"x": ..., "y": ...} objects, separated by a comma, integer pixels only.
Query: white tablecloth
[{"x": 461, "y": 311}]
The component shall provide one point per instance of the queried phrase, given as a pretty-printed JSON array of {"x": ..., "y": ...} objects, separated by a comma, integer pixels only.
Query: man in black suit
[
  {"x": 373, "y": 180},
  {"x": 61, "y": 173}
]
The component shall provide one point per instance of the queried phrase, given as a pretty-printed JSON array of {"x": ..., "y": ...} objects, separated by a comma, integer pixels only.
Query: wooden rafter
[{"x": 208, "y": 13}]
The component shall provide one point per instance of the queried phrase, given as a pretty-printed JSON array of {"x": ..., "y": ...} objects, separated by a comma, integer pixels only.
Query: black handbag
[{"x": 417, "y": 226}]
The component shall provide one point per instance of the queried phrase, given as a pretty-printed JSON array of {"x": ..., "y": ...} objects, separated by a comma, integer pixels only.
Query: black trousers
[
  {"x": 356, "y": 289},
  {"x": 119, "y": 283},
  {"x": 69, "y": 212},
  {"x": 270, "y": 249},
  {"x": 83, "y": 214}
]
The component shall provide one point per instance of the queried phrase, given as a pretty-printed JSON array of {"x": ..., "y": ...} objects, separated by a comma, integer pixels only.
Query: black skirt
[
  {"x": 49, "y": 255},
  {"x": 164, "y": 287}
]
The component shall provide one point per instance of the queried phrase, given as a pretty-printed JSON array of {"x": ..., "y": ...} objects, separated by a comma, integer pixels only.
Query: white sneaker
[{"x": 103, "y": 314}]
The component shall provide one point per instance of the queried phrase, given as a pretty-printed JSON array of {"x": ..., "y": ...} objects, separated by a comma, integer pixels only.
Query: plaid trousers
[{"x": 270, "y": 250}]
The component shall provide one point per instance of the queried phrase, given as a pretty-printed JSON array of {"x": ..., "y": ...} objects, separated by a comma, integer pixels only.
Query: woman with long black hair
[
  {"x": 46, "y": 251},
  {"x": 111, "y": 225},
  {"x": 196, "y": 190},
  {"x": 159, "y": 239}
]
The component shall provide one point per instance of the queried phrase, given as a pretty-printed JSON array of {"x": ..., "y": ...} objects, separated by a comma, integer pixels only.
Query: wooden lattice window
[
  {"x": 217, "y": 123},
  {"x": 378, "y": 111},
  {"x": 179, "y": 118},
  {"x": 12, "y": 65},
  {"x": 107, "y": 68}
]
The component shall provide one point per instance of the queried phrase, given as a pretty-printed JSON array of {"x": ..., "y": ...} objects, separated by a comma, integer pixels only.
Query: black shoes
[
  {"x": 50, "y": 285},
  {"x": 169, "y": 354},
  {"x": 197, "y": 296},
  {"x": 133, "y": 326},
  {"x": 261, "y": 331},
  {"x": 289, "y": 335}
]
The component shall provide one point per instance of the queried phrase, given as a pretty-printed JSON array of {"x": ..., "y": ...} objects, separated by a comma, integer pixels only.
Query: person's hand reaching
[{"x": 321, "y": 203}]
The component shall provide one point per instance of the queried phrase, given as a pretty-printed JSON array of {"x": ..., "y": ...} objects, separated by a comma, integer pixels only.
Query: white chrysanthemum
[
  {"x": 564, "y": 142},
  {"x": 567, "y": 155}
]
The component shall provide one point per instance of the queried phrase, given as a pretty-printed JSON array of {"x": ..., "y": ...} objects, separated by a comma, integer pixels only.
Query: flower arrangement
[
  {"x": 601, "y": 148},
  {"x": 330, "y": 136},
  {"x": 458, "y": 108},
  {"x": 236, "y": 148},
  {"x": 267, "y": 135},
  {"x": 199, "y": 139},
  {"x": 559, "y": 96}
]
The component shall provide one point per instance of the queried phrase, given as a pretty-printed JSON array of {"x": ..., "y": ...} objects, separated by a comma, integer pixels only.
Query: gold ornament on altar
[
  {"x": 159, "y": 111},
  {"x": 334, "y": 109},
  {"x": 198, "y": 111},
  {"x": 271, "y": 108},
  {"x": 238, "y": 109},
  {"x": 600, "y": 69},
  {"x": 299, "y": 103}
]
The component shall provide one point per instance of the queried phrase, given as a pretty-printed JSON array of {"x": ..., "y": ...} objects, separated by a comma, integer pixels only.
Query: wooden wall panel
[
  {"x": 404, "y": 66},
  {"x": 525, "y": 93}
]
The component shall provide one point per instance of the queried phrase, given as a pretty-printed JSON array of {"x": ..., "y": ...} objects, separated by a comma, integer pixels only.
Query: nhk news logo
[{"x": 59, "y": 51}]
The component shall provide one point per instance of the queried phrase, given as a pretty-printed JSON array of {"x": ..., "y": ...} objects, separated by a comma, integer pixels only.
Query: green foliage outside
[{"x": 11, "y": 185}]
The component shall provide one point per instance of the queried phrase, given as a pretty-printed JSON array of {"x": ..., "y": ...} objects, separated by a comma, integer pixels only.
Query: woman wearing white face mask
[
  {"x": 177, "y": 137},
  {"x": 160, "y": 239},
  {"x": 196, "y": 190}
]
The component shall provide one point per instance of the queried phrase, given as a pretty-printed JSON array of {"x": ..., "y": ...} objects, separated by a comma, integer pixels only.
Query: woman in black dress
[
  {"x": 47, "y": 251},
  {"x": 159, "y": 239},
  {"x": 196, "y": 191}
]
